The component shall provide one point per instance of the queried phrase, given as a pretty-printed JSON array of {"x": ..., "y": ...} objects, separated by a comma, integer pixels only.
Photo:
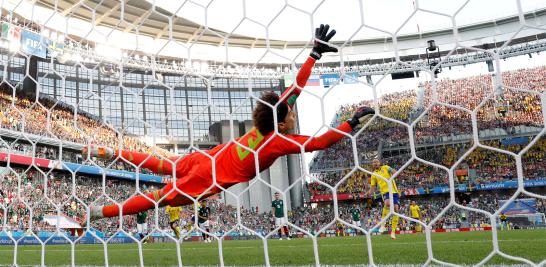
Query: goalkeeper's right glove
[
  {"x": 361, "y": 112},
  {"x": 102, "y": 152},
  {"x": 323, "y": 35}
]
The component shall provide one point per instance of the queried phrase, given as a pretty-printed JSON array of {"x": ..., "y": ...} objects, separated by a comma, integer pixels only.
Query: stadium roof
[
  {"x": 140, "y": 15},
  {"x": 288, "y": 24},
  {"x": 176, "y": 29}
]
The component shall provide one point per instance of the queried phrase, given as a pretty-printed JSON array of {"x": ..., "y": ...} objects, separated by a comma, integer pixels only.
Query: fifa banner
[
  {"x": 92, "y": 170},
  {"x": 32, "y": 44},
  {"x": 520, "y": 206},
  {"x": 332, "y": 78},
  {"x": 329, "y": 79}
]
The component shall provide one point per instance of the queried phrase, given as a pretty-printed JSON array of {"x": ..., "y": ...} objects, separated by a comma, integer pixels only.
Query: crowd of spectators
[
  {"x": 42, "y": 151},
  {"x": 315, "y": 219},
  {"x": 480, "y": 166},
  {"x": 30, "y": 193},
  {"x": 53, "y": 119},
  {"x": 519, "y": 108},
  {"x": 46, "y": 192}
]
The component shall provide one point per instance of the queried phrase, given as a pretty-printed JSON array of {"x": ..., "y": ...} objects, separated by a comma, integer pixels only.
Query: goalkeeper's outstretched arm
[
  {"x": 233, "y": 166},
  {"x": 161, "y": 166},
  {"x": 322, "y": 36},
  {"x": 144, "y": 160}
]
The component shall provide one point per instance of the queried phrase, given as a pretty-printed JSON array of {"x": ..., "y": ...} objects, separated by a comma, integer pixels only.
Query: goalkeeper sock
[
  {"x": 133, "y": 205},
  {"x": 394, "y": 223}
]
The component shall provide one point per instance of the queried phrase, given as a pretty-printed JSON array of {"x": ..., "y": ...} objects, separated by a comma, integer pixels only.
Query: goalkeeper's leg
[
  {"x": 133, "y": 205},
  {"x": 192, "y": 185}
]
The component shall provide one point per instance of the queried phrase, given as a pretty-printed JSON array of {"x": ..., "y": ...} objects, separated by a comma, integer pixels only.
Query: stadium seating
[
  {"x": 524, "y": 111},
  {"x": 18, "y": 113},
  {"x": 397, "y": 105}
]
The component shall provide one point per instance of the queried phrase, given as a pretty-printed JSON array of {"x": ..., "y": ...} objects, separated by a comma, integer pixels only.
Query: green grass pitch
[{"x": 462, "y": 248}]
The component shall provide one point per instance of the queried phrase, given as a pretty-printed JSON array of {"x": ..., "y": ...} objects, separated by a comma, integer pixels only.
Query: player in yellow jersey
[
  {"x": 415, "y": 213},
  {"x": 386, "y": 172},
  {"x": 174, "y": 216},
  {"x": 503, "y": 221}
]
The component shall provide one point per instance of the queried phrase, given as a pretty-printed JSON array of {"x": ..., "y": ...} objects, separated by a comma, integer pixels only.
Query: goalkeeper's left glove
[
  {"x": 322, "y": 34},
  {"x": 361, "y": 112}
]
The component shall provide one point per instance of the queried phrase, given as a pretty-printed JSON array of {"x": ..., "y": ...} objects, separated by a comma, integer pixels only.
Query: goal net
[{"x": 167, "y": 79}]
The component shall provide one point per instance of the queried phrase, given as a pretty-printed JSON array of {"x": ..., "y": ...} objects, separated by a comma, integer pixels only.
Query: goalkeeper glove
[
  {"x": 361, "y": 112},
  {"x": 99, "y": 152},
  {"x": 322, "y": 34}
]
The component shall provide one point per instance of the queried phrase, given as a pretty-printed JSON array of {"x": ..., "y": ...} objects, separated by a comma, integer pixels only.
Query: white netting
[{"x": 176, "y": 81}]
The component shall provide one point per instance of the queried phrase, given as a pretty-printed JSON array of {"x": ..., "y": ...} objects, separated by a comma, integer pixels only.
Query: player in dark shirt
[
  {"x": 203, "y": 220},
  {"x": 280, "y": 220},
  {"x": 142, "y": 227}
]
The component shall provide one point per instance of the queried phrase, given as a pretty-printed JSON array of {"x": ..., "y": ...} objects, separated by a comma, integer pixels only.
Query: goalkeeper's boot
[{"x": 393, "y": 235}]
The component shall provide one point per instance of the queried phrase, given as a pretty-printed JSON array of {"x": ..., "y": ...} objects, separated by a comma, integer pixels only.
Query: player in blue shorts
[{"x": 376, "y": 180}]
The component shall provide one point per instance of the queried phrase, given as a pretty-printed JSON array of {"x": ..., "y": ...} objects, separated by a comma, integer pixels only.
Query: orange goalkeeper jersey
[{"x": 234, "y": 163}]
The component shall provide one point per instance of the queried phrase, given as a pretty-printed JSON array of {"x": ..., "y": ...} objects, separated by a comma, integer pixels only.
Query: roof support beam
[
  {"x": 195, "y": 33},
  {"x": 253, "y": 43},
  {"x": 162, "y": 32},
  {"x": 72, "y": 7},
  {"x": 106, "y": 14},
  {"x": 137, "y": 21}
]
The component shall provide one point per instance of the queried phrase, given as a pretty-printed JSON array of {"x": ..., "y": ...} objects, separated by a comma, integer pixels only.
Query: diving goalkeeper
[{"x": 233, "y": 163}]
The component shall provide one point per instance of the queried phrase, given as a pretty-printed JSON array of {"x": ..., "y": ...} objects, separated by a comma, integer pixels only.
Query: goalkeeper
[{"x": 233, "y": 163}]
